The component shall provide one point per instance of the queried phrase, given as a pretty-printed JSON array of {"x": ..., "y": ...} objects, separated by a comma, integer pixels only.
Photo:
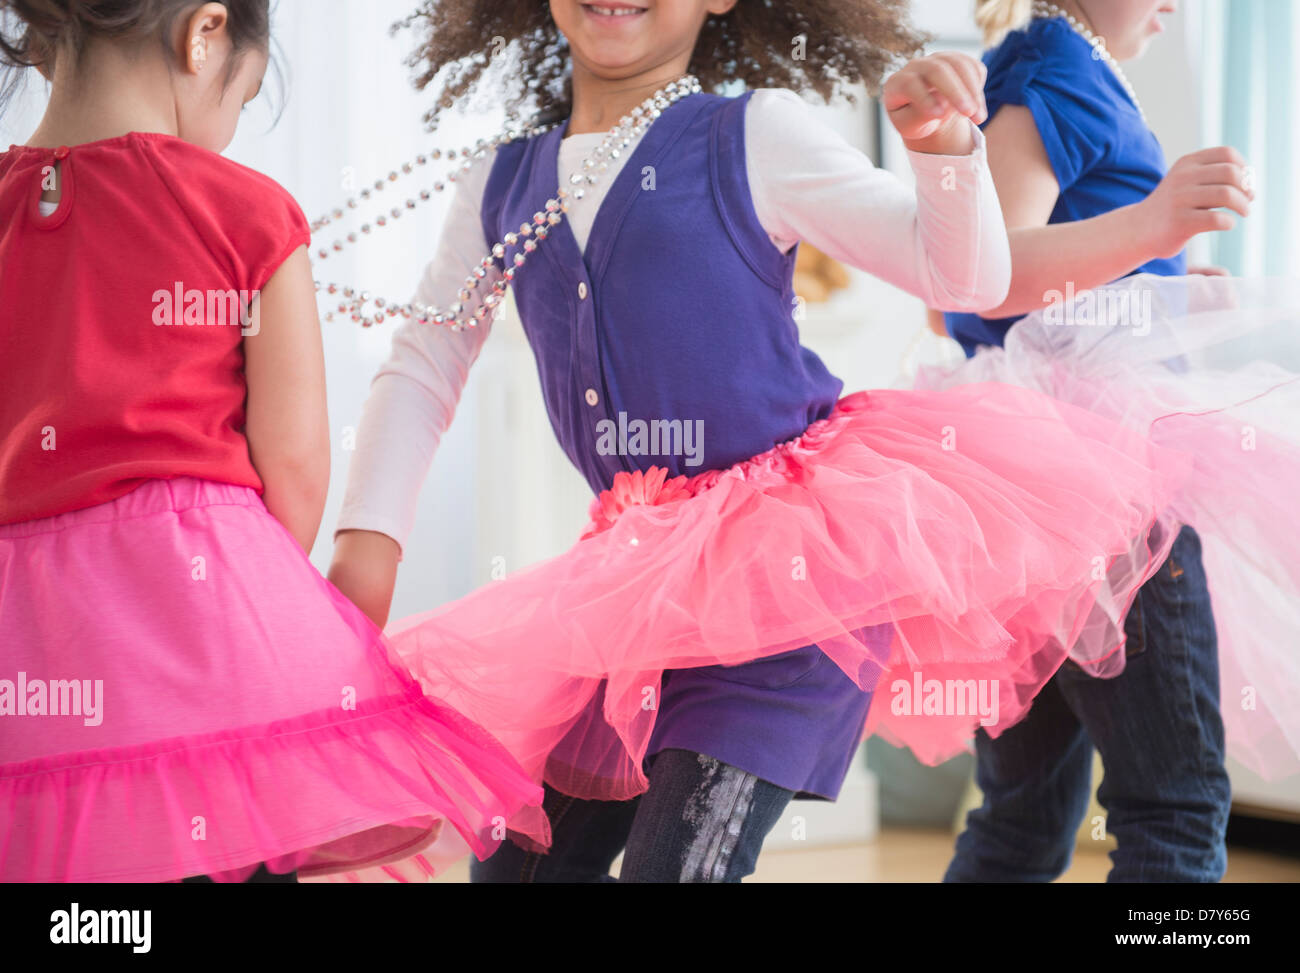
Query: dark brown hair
[
  {"x": 36, "y": 32},
  {"x": 518, "y": 45}
]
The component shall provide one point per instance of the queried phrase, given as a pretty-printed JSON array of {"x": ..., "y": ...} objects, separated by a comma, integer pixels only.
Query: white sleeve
[
  {"x": 945, "y": 242},
  {"x": 414, "y": 395}
]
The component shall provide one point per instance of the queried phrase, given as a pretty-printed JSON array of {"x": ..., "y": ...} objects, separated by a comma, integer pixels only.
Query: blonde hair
[{"x": 999, "y": 17}]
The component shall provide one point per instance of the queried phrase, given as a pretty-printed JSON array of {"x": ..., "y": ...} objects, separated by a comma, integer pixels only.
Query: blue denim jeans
[
  {"x": 700, "y": 821},
  {"x": 1158, "y": 730}
]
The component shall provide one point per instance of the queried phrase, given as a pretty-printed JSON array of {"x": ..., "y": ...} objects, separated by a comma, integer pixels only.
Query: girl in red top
[{"x": 181, "y": 693}]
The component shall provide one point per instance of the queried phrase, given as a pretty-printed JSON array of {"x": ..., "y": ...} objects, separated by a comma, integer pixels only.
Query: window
[{"x": 1251, "y": 96}]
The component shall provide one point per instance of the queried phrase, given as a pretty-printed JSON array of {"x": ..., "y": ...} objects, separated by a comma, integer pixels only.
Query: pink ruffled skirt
[
  {"x": 981, "y": 523},
  {"x": 181, "y": 693}
]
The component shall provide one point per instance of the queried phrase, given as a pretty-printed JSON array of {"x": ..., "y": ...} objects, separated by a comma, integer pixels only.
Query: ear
[
  {"x": 204, "y": 29},
  {"x": 720, "y": 7}
]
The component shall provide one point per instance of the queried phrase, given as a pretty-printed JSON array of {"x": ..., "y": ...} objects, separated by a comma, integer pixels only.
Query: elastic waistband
[{"x": 151, "y": 497}]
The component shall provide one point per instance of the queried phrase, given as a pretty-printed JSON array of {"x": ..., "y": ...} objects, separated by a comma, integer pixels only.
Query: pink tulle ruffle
[{"x": 931, "y": 512}]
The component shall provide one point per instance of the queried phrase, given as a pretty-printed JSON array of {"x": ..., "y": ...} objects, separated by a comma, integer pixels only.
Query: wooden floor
[
  {"x": 905, "y": 855},
  {"x": 913, "y": 855}
]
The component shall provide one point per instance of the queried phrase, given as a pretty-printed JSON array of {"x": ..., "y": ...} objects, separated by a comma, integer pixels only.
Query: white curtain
[{"x": 1251, "y": 91}]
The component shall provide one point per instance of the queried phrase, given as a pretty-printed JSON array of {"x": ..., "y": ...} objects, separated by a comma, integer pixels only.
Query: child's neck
[
  {"x": 106, "y": 95},
  {"x": 1077, "y": 12},
  {"x": 598, "y": 103}
]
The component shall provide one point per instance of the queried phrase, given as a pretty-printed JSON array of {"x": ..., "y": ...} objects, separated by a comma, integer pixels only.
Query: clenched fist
[{"x": 930, "y": 99}]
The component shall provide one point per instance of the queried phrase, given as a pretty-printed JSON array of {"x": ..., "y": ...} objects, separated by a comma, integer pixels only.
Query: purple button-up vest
[{"x": 671, "y": 341}]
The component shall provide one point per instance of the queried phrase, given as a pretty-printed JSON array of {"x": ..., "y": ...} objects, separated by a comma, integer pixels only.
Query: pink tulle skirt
[
  {"x": 981, "y": 523},
  {"x": 1209, "y": 368},
  {"x": 183, "y": 694}
]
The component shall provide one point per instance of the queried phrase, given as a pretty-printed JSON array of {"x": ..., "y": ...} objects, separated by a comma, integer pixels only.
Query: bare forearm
[
  {"x": 294, "y": 494},
  {"x": 287, "y": 426},
  {"x": 365, "y": 570},
  {"x": 1085, "y": 254}
]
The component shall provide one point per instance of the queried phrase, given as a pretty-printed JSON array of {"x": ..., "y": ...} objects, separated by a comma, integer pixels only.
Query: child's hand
[
  {"x": 1191, "y": 199},
  {"x": 930, "y": 99}
]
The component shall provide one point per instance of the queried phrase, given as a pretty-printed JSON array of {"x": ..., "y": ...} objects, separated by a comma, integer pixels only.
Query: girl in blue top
[
  {"x": 1084, "y": 184},
  {"x": 1088, "y": 199}
]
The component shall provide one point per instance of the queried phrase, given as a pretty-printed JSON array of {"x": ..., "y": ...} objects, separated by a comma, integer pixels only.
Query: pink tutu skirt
[
  {"x": 183, "y": 694},
  {"x": 981, "y": 523},
  {"x": 1210, "y": 368}
]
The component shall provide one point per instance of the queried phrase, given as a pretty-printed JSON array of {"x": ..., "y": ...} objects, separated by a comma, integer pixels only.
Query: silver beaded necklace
[
  {"x": 1046, "y": 10},
  {"x": 459, "y": 315}
]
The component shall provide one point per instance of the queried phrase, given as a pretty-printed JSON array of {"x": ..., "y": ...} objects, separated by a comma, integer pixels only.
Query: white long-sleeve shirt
[{"x": 944, "y": 242}]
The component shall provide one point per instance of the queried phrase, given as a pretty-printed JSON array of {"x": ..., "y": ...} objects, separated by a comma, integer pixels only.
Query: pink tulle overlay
[
  {"x": 233, "y": 709},
  {"x": 982, "y": 523},
  {"x": 1209, "y": 368}
]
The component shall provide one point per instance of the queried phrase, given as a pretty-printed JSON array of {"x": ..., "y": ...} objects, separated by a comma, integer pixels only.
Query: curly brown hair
[{"x": 846, "y": 42}]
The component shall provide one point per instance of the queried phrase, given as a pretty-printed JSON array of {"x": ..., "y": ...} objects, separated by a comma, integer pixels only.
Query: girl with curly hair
[{"x": 712, "y": 646}]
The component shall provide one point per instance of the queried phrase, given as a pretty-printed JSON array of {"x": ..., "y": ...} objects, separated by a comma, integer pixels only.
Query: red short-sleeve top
[{"x": 123, "y": 316}]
